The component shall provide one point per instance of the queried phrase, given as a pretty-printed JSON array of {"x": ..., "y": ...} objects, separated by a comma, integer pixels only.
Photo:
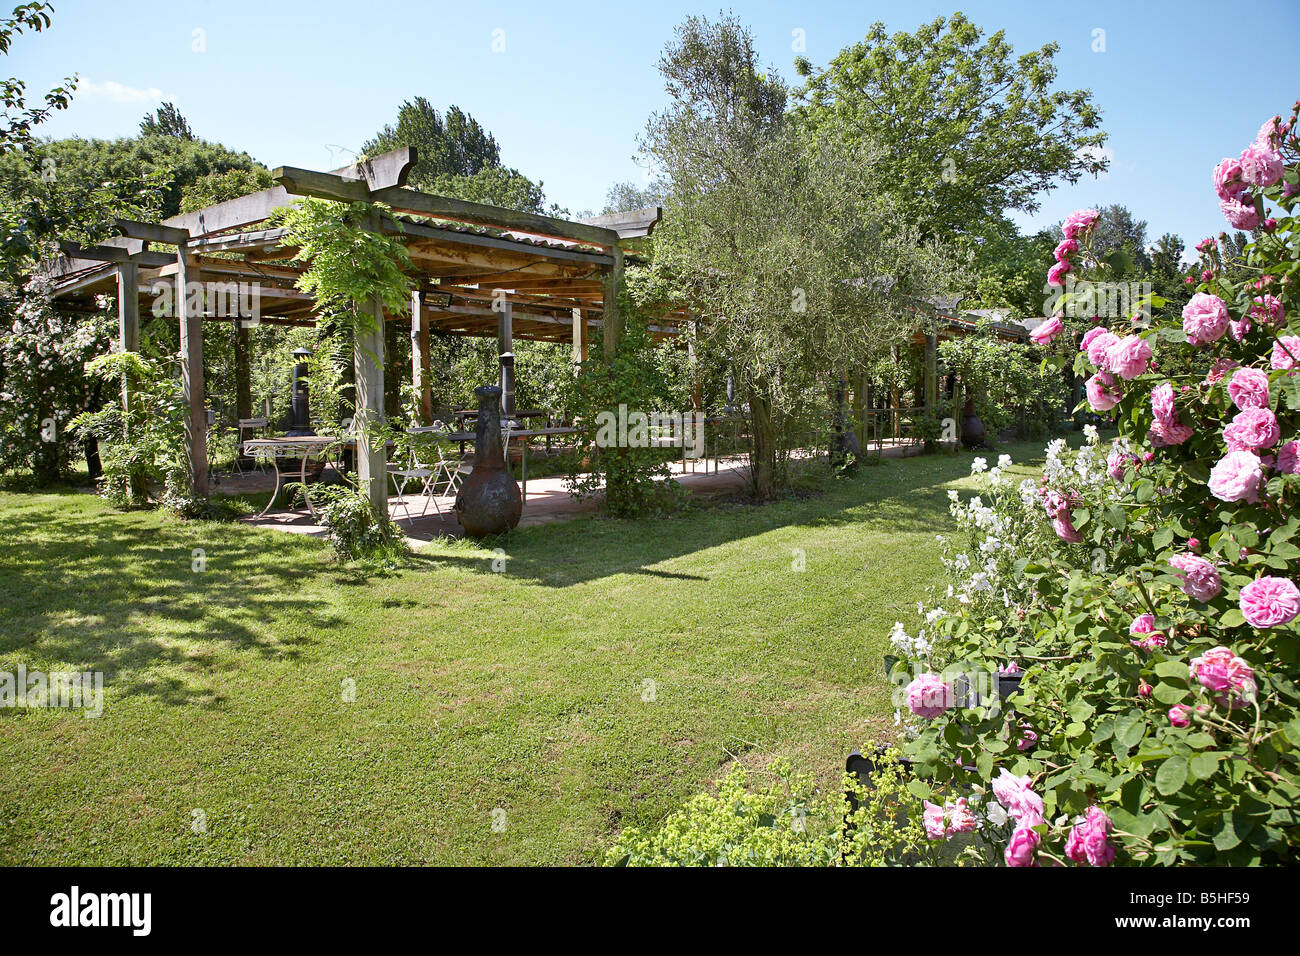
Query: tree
[
  {"x": 782, "y": 242},
  {"x": 454, "y": 146},
  {"x": 18, "y": 119},
  {"x": 457, "y": 157},
  {"x": 628, "y": 197},
  {"x": 967, "y": 130},
  {"x": 1119, "y": 231},
  {"x": 166, "y": 121}
]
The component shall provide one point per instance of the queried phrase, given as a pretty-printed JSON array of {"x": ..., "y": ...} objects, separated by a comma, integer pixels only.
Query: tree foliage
[{"x": 967, "y": 129}]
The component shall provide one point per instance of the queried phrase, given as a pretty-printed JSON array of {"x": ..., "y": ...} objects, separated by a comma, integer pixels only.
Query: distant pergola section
[{"x": 477, "y": 270}]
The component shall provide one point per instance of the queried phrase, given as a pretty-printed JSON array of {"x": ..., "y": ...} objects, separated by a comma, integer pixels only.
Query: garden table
[{"x": 295, "y": 447}]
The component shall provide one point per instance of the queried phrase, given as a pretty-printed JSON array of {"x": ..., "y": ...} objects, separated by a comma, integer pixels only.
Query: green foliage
[
  {"x": 457, "y": 157},
  {"x": 166, "y": 121},
  {"x": 212, "y": 188},
  {"x": 41, "y": 382},
  {"x": 354, "y": 529},
  {"x": 1007, "y": 380},
  {"x": 966, "y": 128},
  {"x": 634, "y": 480},
  {"x": 788, "y": 822},
  {"x": 145, "y": 442},
  {"x": 18, "y": 120}
]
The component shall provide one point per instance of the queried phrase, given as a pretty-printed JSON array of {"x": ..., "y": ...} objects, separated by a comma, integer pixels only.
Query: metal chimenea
[
  {"x": 489, "y": 501},
  {"x": 299, "y": 411}
]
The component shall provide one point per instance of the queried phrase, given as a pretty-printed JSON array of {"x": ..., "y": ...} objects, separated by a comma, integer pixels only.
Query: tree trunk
[{"x": 762, "y": 456}]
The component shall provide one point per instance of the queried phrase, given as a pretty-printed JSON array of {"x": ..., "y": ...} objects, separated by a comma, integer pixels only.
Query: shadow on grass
[
  {"x": 103, "y": 591},
  {"x": 898, "y": 496}
]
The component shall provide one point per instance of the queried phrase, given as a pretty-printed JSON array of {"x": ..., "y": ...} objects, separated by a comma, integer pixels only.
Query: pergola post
[
  {"x": 372, "y": 454},
  {"x": 243, "y": 381},
  {"x": 506, "y": 347},
  {"x": 579, "y": 336},
  {"x": 190, "y": 312},
  {"x": 931, "y": 373},
  {"x": 420, "y": 357},
  {"x": 128, "y": 317},
  {"x": 860, "y": 408},
  {"x": 611, "y": 283}
]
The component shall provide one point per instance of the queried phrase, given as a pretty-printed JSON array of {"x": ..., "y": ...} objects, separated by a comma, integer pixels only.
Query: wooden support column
[
  {"x": 693, "y": 365},
  {"x": 506, "y": 347},
  {"x": 243, "y": 380},
  {"x": 128, "y": 317},
  {"x": 190, "y": 312},
  {"x": 931, "y": 373},
  {"x": 860, "y": 408},
  {"x": 611, "y": 284},
  {"x": 895, "y": 397},
  {"x": 372, "y": 455},
  {"x": 420, "y": 357},
  {"x": 579, "y": 336}
]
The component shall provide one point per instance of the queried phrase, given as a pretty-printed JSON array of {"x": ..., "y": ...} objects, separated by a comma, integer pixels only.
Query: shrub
[
  {"x": 788, "y": 822},
  {"x": 355, "y": 530},
  {"x": 1153, "y": 609}
]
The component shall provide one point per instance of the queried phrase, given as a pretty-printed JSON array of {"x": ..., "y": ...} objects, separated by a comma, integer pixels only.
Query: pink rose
[
  {"x": 1149, "y": 642},
  {"x": 941, "y": 823},
  {"x": 1286, "y": 352},
  {"x": 1240, "y": 215},
  {"x": 1142, "y": 624},
  {"x": 1220, "y": 368},
  {"x": 1056, "y": 274},
  {"x": 1268, "y": 309},
  {"x": 1089, "y": 841},
  {"x": 1020, "y": 851},
  {"x": 1028, "y": 738},
  {"x": 1227, "y": 179},
  {"x": 1129, "y": 357},
  {"x": 1251, "y": 430},
  {"x": 1117, "y": 463},
  {"x": 1180, "y": 715},
  {"x": 1065, "y": 249},
  {"x": 1065, "y": 529},
  {"x": 1102, "y": 392},
  {"x": 1226, "y": 675},
  {"x": 1054, "y": 503},
  {"x": 1288, "y": 458},
  {"x": 1047, "y": 331},
  {"x": 1099, "y": 346},
  {"x": 1271, "y": 133},
  {"x": 1017, "y": 796},
  {"x": 928, "y": 696},
  {"x": 1269, "y": 602},
  {"x": 1237, "y": 477},
  {"x": 932, "y": 820},
  {"x": 1200, "y": 580},
  {"x": 1238, "y": 328},
  {"x": 1205, "y": 318},
  {"x": 1167, "y": 434},
  {"x": 1162, "y": 403},
  {"x": 1088, "y": 336},
  {"x": 1249, "y": 388},
  {"x": 1079, "y": 222},
  {"x": 1261, "y": 165}
]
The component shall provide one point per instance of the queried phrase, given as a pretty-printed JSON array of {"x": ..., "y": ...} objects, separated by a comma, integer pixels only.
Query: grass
[{"x": 524, "y": 690}]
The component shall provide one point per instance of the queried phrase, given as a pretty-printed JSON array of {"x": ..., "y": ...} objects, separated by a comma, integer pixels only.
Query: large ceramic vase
[
  {"x": 972, "y": 429},
  {"x": 489, "y": 501}
]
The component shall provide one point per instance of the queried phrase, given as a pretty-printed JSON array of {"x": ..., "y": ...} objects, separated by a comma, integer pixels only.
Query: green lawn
[{"x": 475, "y": 690}]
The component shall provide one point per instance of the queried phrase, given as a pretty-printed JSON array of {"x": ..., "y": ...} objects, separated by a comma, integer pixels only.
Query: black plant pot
[{"x": 489, "y": 501}]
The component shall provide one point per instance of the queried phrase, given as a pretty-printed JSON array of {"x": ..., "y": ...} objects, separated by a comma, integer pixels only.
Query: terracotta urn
[{"x": 489, "y": 501}]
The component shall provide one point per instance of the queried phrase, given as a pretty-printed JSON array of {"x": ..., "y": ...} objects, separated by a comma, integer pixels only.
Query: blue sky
[{"x": 305, "y": 84}]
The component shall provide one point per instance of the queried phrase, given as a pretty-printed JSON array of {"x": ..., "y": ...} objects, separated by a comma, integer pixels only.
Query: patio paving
[{"x": 547, "y": 501}]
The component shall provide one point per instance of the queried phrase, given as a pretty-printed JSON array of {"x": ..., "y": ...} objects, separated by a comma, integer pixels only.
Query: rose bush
[{"x": 1146, "y": 590}]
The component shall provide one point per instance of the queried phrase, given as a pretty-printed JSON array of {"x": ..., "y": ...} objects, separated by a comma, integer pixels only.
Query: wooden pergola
[{"x": 477, "y": 270}]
